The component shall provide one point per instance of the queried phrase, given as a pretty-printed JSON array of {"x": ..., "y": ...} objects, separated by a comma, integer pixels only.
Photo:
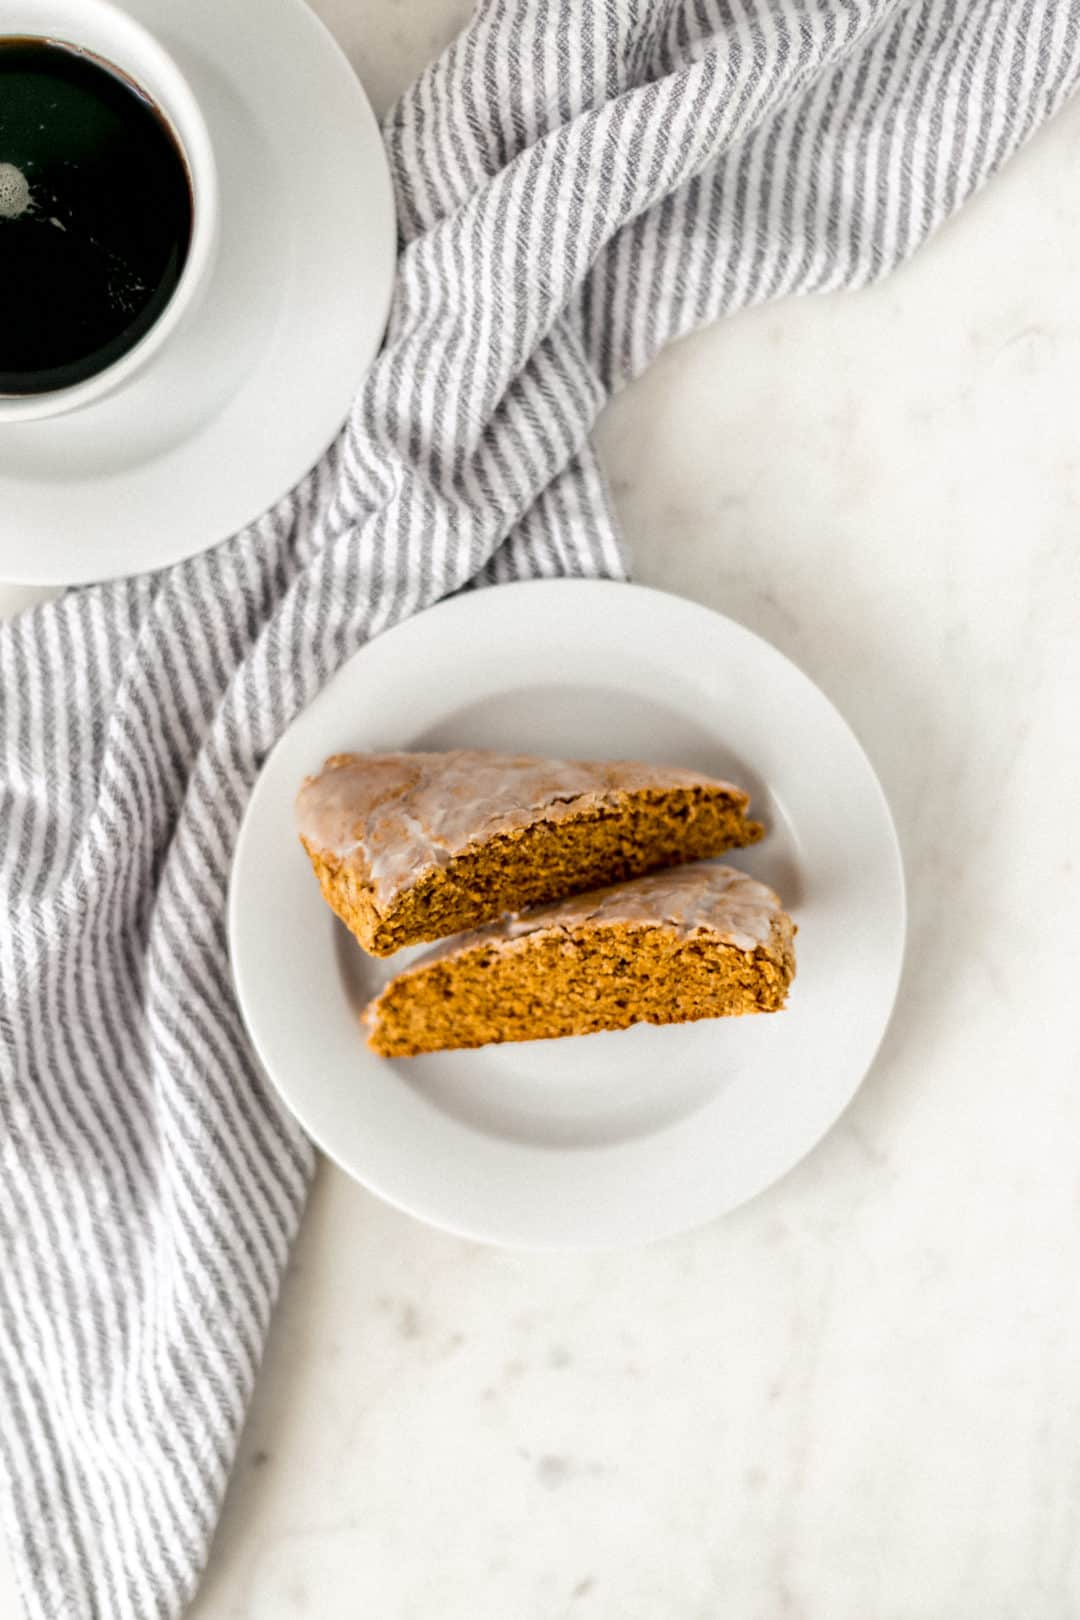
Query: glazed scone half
[
  {"x": 699, "y": 941},
  {"x": 414, "y": 847}
]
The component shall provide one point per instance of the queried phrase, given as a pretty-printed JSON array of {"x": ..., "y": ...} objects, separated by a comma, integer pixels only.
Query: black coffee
[{"x": 95, "y": 215}]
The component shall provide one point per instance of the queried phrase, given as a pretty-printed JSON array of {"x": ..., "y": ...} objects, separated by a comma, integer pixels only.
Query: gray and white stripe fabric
[{"x": 578, "y": 182}]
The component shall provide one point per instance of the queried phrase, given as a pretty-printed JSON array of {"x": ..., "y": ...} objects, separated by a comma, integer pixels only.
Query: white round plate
[
  {"x": 249, "y": 393},
  {"x": 601, "y": 1139}
]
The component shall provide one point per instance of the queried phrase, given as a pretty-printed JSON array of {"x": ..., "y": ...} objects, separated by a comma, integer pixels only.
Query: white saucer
[
  {"x": 603, "y": 1139},
  {"x": 248, "y": 396}
]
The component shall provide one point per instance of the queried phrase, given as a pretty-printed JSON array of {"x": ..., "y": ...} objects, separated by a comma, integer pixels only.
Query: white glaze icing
[{"x": 701, "y": 898}]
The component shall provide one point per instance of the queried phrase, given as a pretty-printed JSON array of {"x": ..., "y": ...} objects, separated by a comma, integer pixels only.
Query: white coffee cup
[{"x": 105, "y": 32}]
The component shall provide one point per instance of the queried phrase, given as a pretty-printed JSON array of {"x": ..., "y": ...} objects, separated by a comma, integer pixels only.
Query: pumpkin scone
[
  {"x": 413, "y": 847},
  {"x": 699, "y": 941}
]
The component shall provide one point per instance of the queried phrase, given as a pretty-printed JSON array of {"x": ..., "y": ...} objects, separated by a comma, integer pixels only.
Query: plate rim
[{"x": 421, "y": 1208}]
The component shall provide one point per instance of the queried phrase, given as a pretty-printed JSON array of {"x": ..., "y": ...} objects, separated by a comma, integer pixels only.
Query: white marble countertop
[{"x": 857, "y": 1398}]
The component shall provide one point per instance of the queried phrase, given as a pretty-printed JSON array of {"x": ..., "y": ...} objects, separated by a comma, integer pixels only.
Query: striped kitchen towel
[{"x": 578, "y": 182}]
